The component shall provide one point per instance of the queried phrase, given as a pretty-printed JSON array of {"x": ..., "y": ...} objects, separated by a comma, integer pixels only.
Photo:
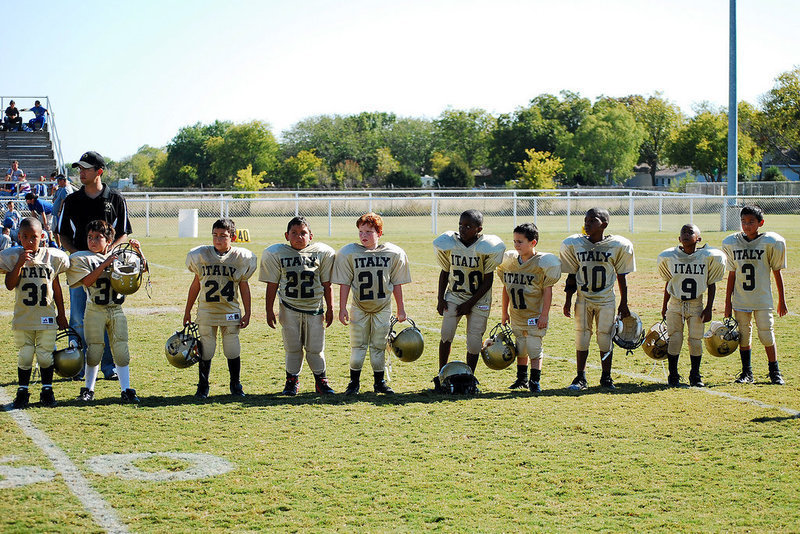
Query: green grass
[{"x": 645, "y": 458}]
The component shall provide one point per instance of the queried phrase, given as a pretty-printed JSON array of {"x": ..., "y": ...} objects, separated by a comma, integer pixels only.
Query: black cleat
[
  {"x": 578, "y": 384},
  {"x": 202, "y": 391},
  {"x": 112, "y": 376},
  {"x": 519, "y": 383},
  {"x": 674, "y": 380},
  {"x": 86, "y": 395},
  {"x": 696, "y": 381},
  {"x": 323, "y": 387},
  {"x": 290, "y": 388},
  {"x": 776, "y": 378},
  {"x": 46, "y": 398},
  {"x": 534, "y": 387},
  {"x": 745, "y": 377},
  {"x": 607, "y": 382},
  {"x": 22, "y": 399},
  {"x": 383, "y": 387},
  {"x": 129, "y": 396},
  {"x": 237, "y": 390},
  {"x": 437, "y": 385},
  {"x": 353, "y": 388}
]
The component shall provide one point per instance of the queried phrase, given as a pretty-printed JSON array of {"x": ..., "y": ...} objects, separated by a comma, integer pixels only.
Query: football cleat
[
  {"x": 607, "y": 382},
  {"x": 47, "y": 398},
  {"x": 290, "y": 388},
  {"x": 534, "y": 387},
  {"x": 674, "y": 380},
  {"x": 745, "y": 377},
  {"x": 353, "y": 388},
  {"x": 86, "y": 395},
  {"x": 578, "y": 384},
  {"x": 237, "y": 390},
  {"x": 202, "y": 391},
  {"x": 383, "y": 387},
  {"x": 322, "y": 386},
  {"x": 519, "y": 383},
  {"x": 696, "y": 381},
  {"x": 129, "y": 396},
  {"x": 22, "y": 399},
  {"x": 776, "y": 378}
]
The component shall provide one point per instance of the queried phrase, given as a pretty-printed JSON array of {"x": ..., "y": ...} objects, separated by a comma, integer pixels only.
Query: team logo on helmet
[
  {"x": 656, "y": 342},
  {"x": 68, "y": 361},
  {"x": 127, "y": 269},
  {"x": 722, "y": 337},
  {"x": 628, "y": 332},
  {"x": 500, "y": 349},
  {"x": 408, "y": 344},
  {"x": 183, "y": 347}
]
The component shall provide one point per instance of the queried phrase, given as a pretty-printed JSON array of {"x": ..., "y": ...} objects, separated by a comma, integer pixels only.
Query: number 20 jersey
[
  {"x": 34, "y": 308},
  {"x": 596, "y": 265},
  {"x": 467, "y": 265},
  {"x": 100, "y": 293},
  {"x": 218, "y": 301},
  {"x": 689, "y": 275},
  {"x": 753, "y": 261},
  {"x": 371, "y": 273},
  {"x": 298, "y": 273}
]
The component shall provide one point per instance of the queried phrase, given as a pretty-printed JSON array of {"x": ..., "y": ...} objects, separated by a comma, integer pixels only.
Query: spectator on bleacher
[
  {"x": 63, "y": 189},
  {"x": 39, "y": 209},
  {"x": 12, "y": 219},
  {"x": 37, "y": 123},
  {"x": 13, "y": 174},
  {"x": 5, "y": 239},
  {"x": 12, "y": 120},
  {"x": 41, "y": 189},
  {"x": 23, "y": 186}
]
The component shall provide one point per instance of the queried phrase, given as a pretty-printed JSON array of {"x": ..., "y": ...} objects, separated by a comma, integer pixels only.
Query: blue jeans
[{"x": 77, "y": 307}]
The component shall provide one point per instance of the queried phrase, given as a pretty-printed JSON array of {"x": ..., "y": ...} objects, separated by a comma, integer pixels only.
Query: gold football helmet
[
  {"x": 722, "y": 337},
  {"x": 656, "y": 342},
  {"x": 68, "y": 361},
  {"x": 456, "y": 378},
  {"x": 628, "y": 332},
  {"x": 127, "y": 269},
  {"x": 408, "y": 344},
  {"x": 500, "y": 350},
  {"x": 183, "y": 347}
]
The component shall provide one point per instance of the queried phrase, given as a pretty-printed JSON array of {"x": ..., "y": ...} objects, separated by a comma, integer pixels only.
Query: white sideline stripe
[
  {"x": 168, "y": 267},
  {"x": 745, "y": 400},
  {"x": 103, "y": 514}
]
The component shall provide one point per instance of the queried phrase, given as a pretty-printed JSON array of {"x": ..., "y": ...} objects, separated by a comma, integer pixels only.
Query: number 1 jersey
[
  {"x": 220, "y": 275},
  {"x": 753, "y": 262},
  {"x": 596, "y": 265}
]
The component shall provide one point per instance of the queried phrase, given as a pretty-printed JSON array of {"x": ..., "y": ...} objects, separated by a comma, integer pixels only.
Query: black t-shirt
[{"x": 80, "y": 210}]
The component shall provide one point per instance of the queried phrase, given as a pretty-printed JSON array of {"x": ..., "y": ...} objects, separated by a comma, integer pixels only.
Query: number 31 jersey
[
  {"x": 371, "y": 273},
  {"x": 596, "y": 265},
  {"x": 220, "y": 275},
  {"x": 298, "y": 273},
  {"x": 689, "y": 275},
  {"x": 34, "y": 308},
  {"x": 753, "y": 261},
  {"x": 100, "y": 293}
]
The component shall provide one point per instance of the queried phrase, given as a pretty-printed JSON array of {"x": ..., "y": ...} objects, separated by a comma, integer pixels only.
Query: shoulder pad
[
  {"x": 731, "y": 239},
  {"x": 621, "y": 240},
  {"x": 574, "y": 238},
  {"x": 446, "y": 241},
  {"x": 273, "y": 249},
  {"x": 772, "y": 237},
  {"x": 394, "y": 249},
  {"x": 348, "y": 249},
  {"x": 490, "y": 244},
  {"x": 322, "y": 247},
  {"x": 666, "y": 253},
  {"x": 549, "y": 260}
]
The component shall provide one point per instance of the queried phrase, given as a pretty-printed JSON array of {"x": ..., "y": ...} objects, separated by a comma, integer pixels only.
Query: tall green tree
[
  {"x": 303, "y": 170},
  {"x": 456, "y": 174},
  {"x": 780, "y": 131},
  {"x": 465, "y": 133},
  {"x": 659, "y": 119},
  {"x": 250, "y": 143},
  {"x": 188, "y": 162},
  {"x": 538, "y": 171}
]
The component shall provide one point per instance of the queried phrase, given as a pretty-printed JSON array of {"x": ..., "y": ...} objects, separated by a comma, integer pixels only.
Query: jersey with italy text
[
  {"x": 34, "y": 308},
  {"x": 467, "y": 265},
  {"x": 524, "y": 282},
  {"x": 220, "y": 275},
  {"x": 298, "y": 273},
  {"x": 100, "y": 293},
  {"x": 596, "y": 265},
  {"x": 753, "y": 262},
  {"x": 689, "y": 275},
  {"x": 371, "y": 273}
]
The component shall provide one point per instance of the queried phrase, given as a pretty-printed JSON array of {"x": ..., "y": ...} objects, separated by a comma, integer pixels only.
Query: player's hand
[
  {"x": 244, "y": 321},
  {"x": 401, "y": 316},
  {"x": 187, "y": 318},
  {"x": 728, "y": 309},
  {"x": 271, "y": 318},
  {"x": 135, "y": 244},
  {"x": 623, "y": 310},
  {"x": 441, "y": 306},
  {"x": 543, "y": 320},
  {"x": 664, "y": 312},
  {"x": 505, "y": 317},
  {"x": 62, "y": 322},
  {"x": 328, "y": 317},
  {"x": 706, "y": 315},
  {"x": 26, "y": 256},
  {"x": 567, "y": 311},
  {"x": 463, "y": 309},
  {"x": 782, "y": 309},
  {"x": 344, "y": 317}
]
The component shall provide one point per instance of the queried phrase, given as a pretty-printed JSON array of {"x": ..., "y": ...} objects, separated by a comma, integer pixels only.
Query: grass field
[{"x": 643, "y": 458}]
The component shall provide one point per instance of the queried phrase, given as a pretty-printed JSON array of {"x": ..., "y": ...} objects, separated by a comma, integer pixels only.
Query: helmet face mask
[
  {"x": 722, "y": 337},
  {"x": 127, "y": 269},
  {"x": 628, "y": 332},
  {"x": 183, "y": 347},
  {"x": 456, "y": 378},
  {"x": 500, "y": 350},
  {"x": 68, "y": 361},
  {"x": 656, "y": 342},
  {"x": 408, "y": 344}
]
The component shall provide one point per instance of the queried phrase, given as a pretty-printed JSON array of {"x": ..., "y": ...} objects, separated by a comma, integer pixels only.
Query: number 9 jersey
[
  {"x": 34, "y": 308},
  {"x": 689, "y": 275},
  {"x": 220, "y": 275},
  {"x": 753, "y": 261},
  {"x": 596, "y": 265}
]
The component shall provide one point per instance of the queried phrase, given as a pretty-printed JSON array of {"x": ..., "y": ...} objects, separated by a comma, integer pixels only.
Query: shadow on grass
[{"x": 775, "y": 419}]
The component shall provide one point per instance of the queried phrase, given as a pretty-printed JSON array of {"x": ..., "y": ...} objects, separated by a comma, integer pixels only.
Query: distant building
[{"x": 666, "y": 177}]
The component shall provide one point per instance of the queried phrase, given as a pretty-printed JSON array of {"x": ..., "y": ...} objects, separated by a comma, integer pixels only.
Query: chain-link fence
[{"x": 156, "y": 214}]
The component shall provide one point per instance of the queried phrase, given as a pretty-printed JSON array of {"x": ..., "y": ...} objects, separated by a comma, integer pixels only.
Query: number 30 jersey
[
  {"x": 100, "y": 293},
  {"x": 298, "y": 273},
  {"x": 596, "y": 265},
  {"x": 34, "y": 308},
  {"x": 467, "y": 265},
  {"x": 753, "y": 261},
  {"x": 689, "y": 275},
  {"x": 220, "y": 275},
  {"x": 371, "y": 273}
]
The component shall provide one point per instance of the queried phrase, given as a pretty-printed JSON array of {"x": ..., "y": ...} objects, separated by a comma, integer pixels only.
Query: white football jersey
[
  {"x": 100, "y": 293},
  {"x": 218, "y": 301},
  {"x": 467, "y": 265},
  {"x": 298, "y": 273},
  {"x": 689, "y": 275},
  {"x": 34, "y": 308},
  {"x": 371, "y": 273},
  {"x": 524, "y": 282},
  {"x": 753, "y": 262},
  {"x": 596, "y": 265}
]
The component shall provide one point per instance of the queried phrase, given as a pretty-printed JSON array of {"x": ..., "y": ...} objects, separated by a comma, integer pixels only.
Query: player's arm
[
  {"x": 194, "y": 290},
  {"x": 622, "y": 281},
  {"x": 58, "y": 299},
  {"x": 441, "y": 305},
  {"x": 504, "y": 301},
  {"x": 570, "y": 287},
  {"x": 729, "y": 293},
  {"x": 397, "y": 291},
  {"x": 91, "y": 278},
  {"x": 272, "y": 291},
  {"x": 782, "y": 308},
  {"x": 12, "y": 276},
  {"x": 665, "y": 301},
  {"x": 119, "y": 239},
  {"x": 244, "y": 291},
  {"x": 708, "y": 311},
  {"x": 486, "y": 285},
  {"x": 327, "y": 294},
  {"x": 547, "y": 301},
  {"x": 344, "y": 293}
]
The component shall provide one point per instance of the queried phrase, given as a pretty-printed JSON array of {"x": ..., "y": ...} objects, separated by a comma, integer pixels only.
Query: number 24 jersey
[
  {"x": 220, "y": 275},
  {"x": 596, "y": 265}
]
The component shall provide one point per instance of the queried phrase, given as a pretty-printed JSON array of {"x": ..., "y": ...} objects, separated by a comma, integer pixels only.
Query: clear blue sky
[{"x": 121, "y": 74}]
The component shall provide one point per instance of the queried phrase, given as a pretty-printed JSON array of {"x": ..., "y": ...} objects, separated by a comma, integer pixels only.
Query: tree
[
  {"x": 465, "y": 133},
  {"x": 348, "y": 173},
  {"x": 456, "y": 174},
  {"x": 247, "y": 181},
  {"x": 142, "y": 166},
  {"x": 781, "y": 107},
  {"x": 386, "y": 164},
  {"x": 538, "y": 171},
  {"x": 251, "y": 143},
  {"x": 659, "y": 119},
  {"x": 403, "y": 178},
  {"x": 188, "y": 150},
  {"x": 303, "y": 170}
]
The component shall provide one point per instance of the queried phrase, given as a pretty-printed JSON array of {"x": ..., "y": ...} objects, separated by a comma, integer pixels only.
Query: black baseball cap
[{"x": 90, "y": 159}]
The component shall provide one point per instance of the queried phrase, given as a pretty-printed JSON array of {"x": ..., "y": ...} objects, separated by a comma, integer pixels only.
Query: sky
[{"x": 122, "y": 74}]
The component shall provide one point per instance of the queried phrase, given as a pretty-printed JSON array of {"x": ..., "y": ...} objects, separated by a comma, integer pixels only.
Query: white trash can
[{"x": 187, "y": 223}]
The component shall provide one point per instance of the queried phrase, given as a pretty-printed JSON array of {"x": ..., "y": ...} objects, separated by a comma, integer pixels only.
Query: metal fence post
[
  {"x": 369, "y": 202},
  {"x": 297, "y": 205},
  {"x": 330, "y": 218},
  {"x": 691, "y": 210},
  {"x": 535, "y": 210},
  {"x": 433, "y": 213},
  {"x": 147, "y": 215},
  {"x": 660, "y": 212},
  {"x": 221, "y": 205},
  {"x": 569, "y": 207},
  {"x": 630, "y": 211},
  {"x": 515, "y": 208}
]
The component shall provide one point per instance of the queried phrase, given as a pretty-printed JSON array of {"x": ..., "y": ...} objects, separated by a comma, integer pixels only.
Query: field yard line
[
  {"x": 167, "y": 267},
  {"x": 103, "y": 514},
  {"x": 745, "y": 400}
]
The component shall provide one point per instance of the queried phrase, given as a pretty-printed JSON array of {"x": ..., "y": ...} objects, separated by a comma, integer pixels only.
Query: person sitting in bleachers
[
  {"x": 12, "y": 121},
  {"x": 38, "y": 122},
  {"x": 41, "y": 189},
  {"x": 13, "y": 174},
  {"x": 23, "y": 186},
  {"x": 12, "y": 219}
]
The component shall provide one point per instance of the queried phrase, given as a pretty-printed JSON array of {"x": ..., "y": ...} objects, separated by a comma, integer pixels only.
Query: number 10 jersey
[{"x": 596, "y": 265}]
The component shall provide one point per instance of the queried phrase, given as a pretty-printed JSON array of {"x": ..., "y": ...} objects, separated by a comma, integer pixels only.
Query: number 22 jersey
[
  {"x": 220, "y": 275},
  {"x": 753, "y": 261}
]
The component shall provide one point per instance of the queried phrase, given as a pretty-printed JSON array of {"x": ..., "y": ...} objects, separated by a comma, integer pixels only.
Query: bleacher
[{"x": 33, "y": 150}]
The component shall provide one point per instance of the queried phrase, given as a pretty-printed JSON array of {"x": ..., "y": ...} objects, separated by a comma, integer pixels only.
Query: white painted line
[
  {"x": 168, "y": 267},
  {"x": 103, "y": 514}
]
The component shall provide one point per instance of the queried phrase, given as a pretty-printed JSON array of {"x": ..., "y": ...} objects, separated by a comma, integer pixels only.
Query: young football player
[
  {"x": 468, "y": 260},
  {"x": 593, "y": 262},
  {"x": 751, "y": 256},
  {"x": 688, "y": 271},
  {"x": 32, "y": 270},
  {"x": 374, "y": 272},
  {"x": 89, "y": 268},
  {"x": 300, "y": 274},
  {"x": 221, "y": 274},
  {"x": 528, "y": 277}
]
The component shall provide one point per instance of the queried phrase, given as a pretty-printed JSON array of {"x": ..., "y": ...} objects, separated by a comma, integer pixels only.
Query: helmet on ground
[
  {"x": 722, "y": 337},
  {"x": 126, "y": 269},
  {"x": 456, "y": 378},
  {"x": 628, "y": 332},
  {"x": 408, "y": 344},
  {"x": 500, "y": 350},
  {"x": 183, "y": 347},
  {"x": 656, "y": 341},
  {"x": 68, "y": 361}
]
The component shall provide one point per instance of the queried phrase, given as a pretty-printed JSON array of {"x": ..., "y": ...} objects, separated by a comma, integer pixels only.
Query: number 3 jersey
[
  {"x": 524, "y": 282},
  {"x": 596, "y": 265},
  {"x": 100, "y": 293},
  {"x": 34, "y": 308},
  {"x": 689, "y": 275},
  {"x": 467, "y": 265},
  {"x": 371, "y": 273},
  {"x": 220, "y": 275},
  {"x": 753, "y": 262},
  {"x": 298, "y": 273}
]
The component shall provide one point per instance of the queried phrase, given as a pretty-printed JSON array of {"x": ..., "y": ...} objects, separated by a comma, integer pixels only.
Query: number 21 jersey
[{"x": 371, "y": 273}]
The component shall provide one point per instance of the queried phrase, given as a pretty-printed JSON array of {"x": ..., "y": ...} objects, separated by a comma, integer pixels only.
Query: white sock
[
  {"x": 91, "y": 376},
  {"x": 124, "y": 374}
]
